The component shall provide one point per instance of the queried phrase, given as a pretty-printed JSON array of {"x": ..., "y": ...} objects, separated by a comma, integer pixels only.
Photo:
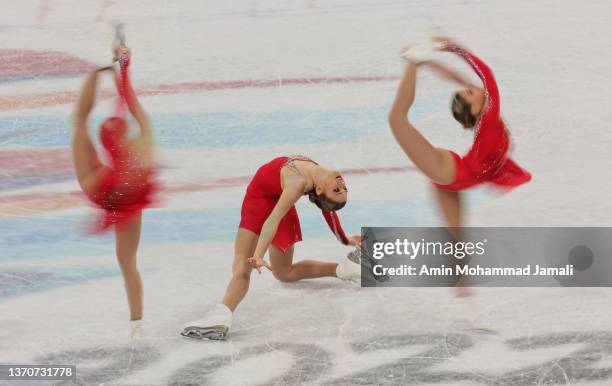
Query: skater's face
[
  {"x": 475, "y": 97},
  {"x": 335, "y": 188},
  {"x": 467, "y": 105},
  {"x": 332, "y": 192}
]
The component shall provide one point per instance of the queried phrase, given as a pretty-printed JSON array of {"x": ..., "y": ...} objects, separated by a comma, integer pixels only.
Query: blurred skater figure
[
  {"x": 475, "y": 108},
  {"x": 124, "y": 187},
  {"x": 269, "y": 222}
]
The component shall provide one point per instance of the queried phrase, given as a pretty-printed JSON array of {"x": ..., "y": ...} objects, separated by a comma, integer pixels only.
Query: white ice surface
[{"x": 552, "y": 62}]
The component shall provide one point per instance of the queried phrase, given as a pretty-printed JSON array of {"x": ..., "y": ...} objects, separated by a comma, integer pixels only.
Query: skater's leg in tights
[
  {"x": 437, "y": 164},
  {"x": 244, "y": 247},
  {"x": 452, "y": 209},
  {"x": 89, "y": 170},
  {"x": 127, "y": 240},
  {"x": 284, "y": 269},
  {"x": 450, "y": 206}
]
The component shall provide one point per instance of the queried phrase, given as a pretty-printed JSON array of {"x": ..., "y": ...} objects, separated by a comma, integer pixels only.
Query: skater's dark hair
[
  {"x": 325, "y": 203},
  {"x": 462, "y": 112}
]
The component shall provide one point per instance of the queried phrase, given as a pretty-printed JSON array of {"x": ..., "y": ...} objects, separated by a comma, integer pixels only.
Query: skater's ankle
[{"x": 231, "y": 309}]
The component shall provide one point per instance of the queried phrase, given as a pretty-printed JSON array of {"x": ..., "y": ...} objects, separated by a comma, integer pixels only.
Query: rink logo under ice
[{"x": 430, "y": 359}]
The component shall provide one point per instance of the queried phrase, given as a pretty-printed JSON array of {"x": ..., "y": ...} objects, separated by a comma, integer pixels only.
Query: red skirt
[
  {"x": 122, "y": 197},
  {"x": 256, "y": 210},
  {"x": 509, "y": 176}
]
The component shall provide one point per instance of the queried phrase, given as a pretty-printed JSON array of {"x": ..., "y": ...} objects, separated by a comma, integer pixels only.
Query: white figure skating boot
[
  {"x": 422, "y": 52},
  {"x": 136, "y": 329},
  {"x": 350, "y": 268},
  {"x": 215, "y": 325}
]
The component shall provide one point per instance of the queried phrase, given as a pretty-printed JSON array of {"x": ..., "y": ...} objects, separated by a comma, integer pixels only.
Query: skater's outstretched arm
[
  {"x": 448, "y": 73},
  {"x": 143, "y": 143},
  {"x": 437, "y": 164},
  {"x": 132, "y": 101},
  {"x": 138, "y": 111},
  {"x": 293, "y": 190},
  {"x": 483, "y": 71},
  {"x": 492, "y": 138}
]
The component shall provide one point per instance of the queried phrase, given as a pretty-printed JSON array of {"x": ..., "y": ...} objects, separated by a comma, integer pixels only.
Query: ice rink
[{"x": 229, "y": 86}]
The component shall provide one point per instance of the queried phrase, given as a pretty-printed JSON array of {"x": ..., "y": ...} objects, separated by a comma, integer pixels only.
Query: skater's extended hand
[
  {"x": 443, "y": 43},
  {"x": 122, "y": 54},
  {"x": 258, "y": 263},
  {"x": 355, "y": 240}
]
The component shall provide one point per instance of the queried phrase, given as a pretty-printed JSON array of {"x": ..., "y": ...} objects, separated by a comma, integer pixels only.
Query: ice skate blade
[
  {"x": 482, "y": 330},
  {"x": 355, "y": 255},
  {"x": 470, "y": 327},
  {"x": 210, "y": 333}
]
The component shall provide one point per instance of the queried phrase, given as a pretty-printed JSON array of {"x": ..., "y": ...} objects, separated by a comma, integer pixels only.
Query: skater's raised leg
[{"x": 88, "y": 168}]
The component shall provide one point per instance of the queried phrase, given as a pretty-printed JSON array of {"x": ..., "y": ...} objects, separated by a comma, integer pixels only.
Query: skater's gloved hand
[
  {"x": 258, "y": 263},
  {"x": 355, "y": 240}
]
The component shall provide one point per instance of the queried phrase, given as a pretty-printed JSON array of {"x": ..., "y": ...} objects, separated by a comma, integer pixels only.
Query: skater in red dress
[
  {"x": 477, "y": 109},
  {"x": 270, "y": 223},
  {"x": 123, "y": 187}
]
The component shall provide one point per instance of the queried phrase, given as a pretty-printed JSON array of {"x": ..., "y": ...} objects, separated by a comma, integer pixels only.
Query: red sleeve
[
  {"x": 486, "y": 75},
  {"x": 122, "y": 80},
  {"x": 491, "y": 143},
  {"x": 334, "y": 224}
]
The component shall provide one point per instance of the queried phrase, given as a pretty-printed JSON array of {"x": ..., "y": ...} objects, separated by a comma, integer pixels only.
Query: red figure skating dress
[
  {"x": 487, "y": 160},
  {"x": 128, "y": 186},
  {"x": 261, "y": 197}
]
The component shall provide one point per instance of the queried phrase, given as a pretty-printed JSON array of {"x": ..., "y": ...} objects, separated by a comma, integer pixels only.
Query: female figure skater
[
  {"x": 269, "y": 222},
  {"x": 123, "y": 187},
  {"x": 476, "y": 108}
]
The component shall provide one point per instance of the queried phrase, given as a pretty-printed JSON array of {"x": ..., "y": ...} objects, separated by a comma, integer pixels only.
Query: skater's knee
[
  {"x": 129, "y": 271},
  {"x": 128, "y": 265},
  {"x": 283, "y": 275},
  {"x": 242, "y": 273}
]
